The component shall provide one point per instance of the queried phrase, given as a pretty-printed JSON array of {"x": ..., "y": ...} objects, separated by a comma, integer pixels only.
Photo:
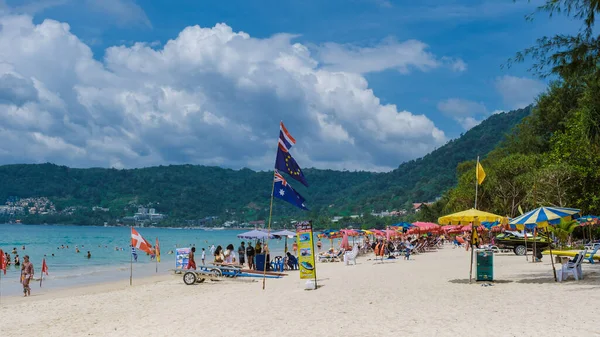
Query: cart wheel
[
  {"x": 520, "y": 250},
  {"x": 202, "y": 279},
  {"x": 216, "y": 272},
  {"x": 189, "y": 278}
]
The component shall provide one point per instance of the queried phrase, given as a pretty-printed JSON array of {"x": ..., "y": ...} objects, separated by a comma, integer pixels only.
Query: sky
[{"x": 360, "y": 84}]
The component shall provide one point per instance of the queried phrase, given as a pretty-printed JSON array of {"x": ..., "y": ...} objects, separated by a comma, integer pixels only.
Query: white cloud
[
  {"x": 456, "y": 107},
  {"x": 463, "y": 111},
  {"x": 458, "y": 65},
  {"x": 518, "y": 92},
  {"x": 210, "y": 96},
  {"x": 389, "y": 54}
]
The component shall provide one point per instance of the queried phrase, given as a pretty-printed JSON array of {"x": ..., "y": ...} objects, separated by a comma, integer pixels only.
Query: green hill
[
  {"x": 191, "y": 192},
  {"x": 426, "y": 178}
]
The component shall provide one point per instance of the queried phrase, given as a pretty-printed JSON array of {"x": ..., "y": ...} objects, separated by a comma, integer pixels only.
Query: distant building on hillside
[{"x": 418, "y": 205}]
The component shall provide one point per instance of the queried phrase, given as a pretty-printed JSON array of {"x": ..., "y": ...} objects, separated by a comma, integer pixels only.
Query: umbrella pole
[
  {"x": 471, "y": 266},
  {"x": 551, "y": 257},
  {"x": 525, "y": 232}
]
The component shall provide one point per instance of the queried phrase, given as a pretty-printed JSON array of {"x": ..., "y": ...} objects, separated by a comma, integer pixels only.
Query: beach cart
[
  {"x": 198, "y": 276},
  {"x": 213, "y": 272}
]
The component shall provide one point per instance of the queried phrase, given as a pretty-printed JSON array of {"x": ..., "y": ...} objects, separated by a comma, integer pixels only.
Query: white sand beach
[{"x": 426, "y": 296}]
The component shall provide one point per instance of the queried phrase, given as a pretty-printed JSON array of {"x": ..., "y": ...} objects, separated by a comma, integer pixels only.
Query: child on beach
[
  {"x": 203, "y": 256},
  {"x": 407, "y": 253}
]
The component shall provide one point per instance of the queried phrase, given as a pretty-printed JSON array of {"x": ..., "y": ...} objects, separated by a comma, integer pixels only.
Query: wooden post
[{"x": 265, "y": 247}]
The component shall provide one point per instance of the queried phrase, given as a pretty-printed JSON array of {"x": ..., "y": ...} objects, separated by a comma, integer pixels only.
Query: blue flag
[
  {"x": 134, "y": 253},
  {"x": 286, "y": 163},
  {"x": 284, "y": 191}
]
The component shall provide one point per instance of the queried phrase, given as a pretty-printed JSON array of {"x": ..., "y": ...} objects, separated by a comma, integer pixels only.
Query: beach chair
[
  {"x": 572, "y": 268},
  {"x": 351, "y": 255},
  {"x": 591, "y": 258}
]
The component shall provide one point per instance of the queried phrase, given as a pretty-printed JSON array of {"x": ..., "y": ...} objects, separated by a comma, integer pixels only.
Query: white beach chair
[
  {"x": 351, "y": 255},
  {"x": 572, "y": 268}
]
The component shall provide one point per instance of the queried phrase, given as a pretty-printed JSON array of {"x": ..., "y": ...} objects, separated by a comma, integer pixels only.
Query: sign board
[
  {"x": 306, "y": 254},
  {"x": 182, "y": 256}
]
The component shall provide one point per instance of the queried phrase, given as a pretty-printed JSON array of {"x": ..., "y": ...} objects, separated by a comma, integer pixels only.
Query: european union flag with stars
[{"x": 286, "y": 163}]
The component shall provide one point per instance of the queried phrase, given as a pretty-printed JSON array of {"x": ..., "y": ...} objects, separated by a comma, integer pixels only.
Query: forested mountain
[
  {"x": 192, "y": 192},
  {"x": 426, "y": 178}
]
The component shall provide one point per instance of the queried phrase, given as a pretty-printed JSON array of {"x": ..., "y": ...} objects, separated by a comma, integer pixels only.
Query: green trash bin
[{"x": 485, "y": 265}]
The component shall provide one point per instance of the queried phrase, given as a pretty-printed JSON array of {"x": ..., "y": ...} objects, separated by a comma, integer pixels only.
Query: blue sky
[{"x": 362, "y": 84}]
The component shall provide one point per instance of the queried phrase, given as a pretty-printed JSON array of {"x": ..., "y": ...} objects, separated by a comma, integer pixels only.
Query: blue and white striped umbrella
[{"x": 544, "y": 215}]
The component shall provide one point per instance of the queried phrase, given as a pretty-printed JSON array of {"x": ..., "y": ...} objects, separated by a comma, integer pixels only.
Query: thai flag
[{"x": 286, "y": 141}]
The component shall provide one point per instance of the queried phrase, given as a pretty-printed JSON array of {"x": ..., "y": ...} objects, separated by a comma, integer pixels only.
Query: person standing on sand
[
  {"x": 319, "y": 244},
  {"x": 250, "y": 255},
  {"x": 242, "y": 253},
  {"x": 191, "y": 261},
  {"x": 26, "y": 275},
  {"x": 203, "y": 256}
]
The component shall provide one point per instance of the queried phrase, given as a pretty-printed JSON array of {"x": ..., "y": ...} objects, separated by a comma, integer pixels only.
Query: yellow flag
[
  {"x": 474, "y": 235},
  {"x": 520, "y": 210},
  {"x": 480, "y": 173}
]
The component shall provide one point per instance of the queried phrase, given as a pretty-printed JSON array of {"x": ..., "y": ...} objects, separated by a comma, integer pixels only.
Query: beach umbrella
[
  {"x": 349, "y": 232},
  {"x": 403, "y": 225},
  {"x": 286, "y": 234},
  {"x": 255, "y": 235},
  {"x": 426, "y": 226},
  {"x": 469, "y": 216},
  {"x": 589, "y": 220},
  {"x": 473, "y": 216},
  {"x": 377, "y": 232},
  {"x": 541, "y": 218}
]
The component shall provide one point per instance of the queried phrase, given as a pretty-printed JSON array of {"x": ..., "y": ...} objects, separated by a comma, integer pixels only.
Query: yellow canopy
[
  {"x": 367, "y": 232},
  {"x": 471, "y": 215}
]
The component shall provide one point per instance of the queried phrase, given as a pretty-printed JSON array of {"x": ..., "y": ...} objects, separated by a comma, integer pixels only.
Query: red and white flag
[
  {"x": 2, "y": 261},
  {"x": 44, "y": 267},
  {"x": 139, "y": 242}
]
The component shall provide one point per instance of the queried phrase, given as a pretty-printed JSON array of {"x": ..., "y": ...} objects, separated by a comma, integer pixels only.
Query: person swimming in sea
[
  {"x": 17, "y": 261},
  {"x": 89, "y": 255}
]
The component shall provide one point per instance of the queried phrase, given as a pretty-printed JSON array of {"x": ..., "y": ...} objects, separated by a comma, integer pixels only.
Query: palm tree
[{"x": 564, "y": 230}]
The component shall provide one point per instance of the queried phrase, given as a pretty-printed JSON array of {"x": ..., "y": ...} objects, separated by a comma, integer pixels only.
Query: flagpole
[
  {"x": 268, "y": 232},
  {"x": 270, "y": 216},
  {"x": 131, "y": 261},
  {"x": 476, "y": 180},
  {"x": 42, "y": 274}
]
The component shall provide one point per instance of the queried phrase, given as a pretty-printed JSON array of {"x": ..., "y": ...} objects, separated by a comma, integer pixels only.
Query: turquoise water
[{"x": 68, "y": 268}]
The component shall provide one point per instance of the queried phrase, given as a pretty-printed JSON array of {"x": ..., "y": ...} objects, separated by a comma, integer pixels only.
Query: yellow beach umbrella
[
  {"x": 470, "y": 215},
  {"x": 475, "y": 217}
]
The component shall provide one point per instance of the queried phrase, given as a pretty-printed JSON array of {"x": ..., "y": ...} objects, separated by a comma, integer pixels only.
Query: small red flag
[
  {"x": 2, "y": 261},
  {"x": 139, "y": 242},
  {"x": 44, "y": 267}
]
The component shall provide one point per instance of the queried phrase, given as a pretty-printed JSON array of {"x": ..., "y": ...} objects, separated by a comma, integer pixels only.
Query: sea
[{"x": 109, "y": 249}]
